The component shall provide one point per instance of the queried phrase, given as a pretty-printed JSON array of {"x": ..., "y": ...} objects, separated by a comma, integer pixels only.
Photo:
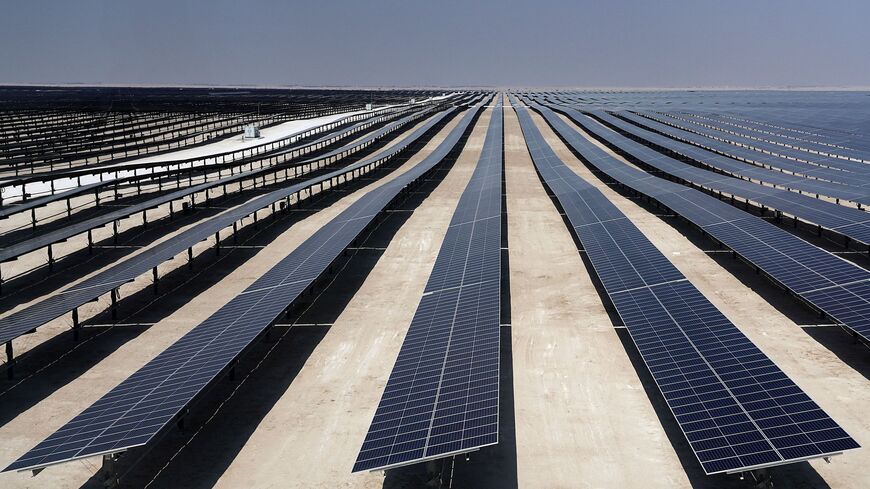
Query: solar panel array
[
  {"x": 828, "y": 282},
  {"x": 848, "y": 221},
  {"x": 732, "y": 167},
  {"x": 442, "y": 395},
  {"x": 802, "y": 144},
  {"x": 135, "y": 411},
  {"x": 32, "y": 317},
  {"x": 760, "y": 145},
  {"x": 737, "y": 409},
  {"x": 746, "y": 163},
  {"x": 819, "y": 179},
  {"x": 44, "y": 239},
  {"x": 799, "y": 139}
]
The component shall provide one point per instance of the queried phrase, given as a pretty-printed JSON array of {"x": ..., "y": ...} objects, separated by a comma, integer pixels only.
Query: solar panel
[
  {"x": 442, "y": 395},
  {"x": 754, "y": 133},
  {"x": 27, "y": 319},
  {"x": 760, "y": 145},
  {"x": 737, "y": 409},
  {"x": 787, "y": 259},
  {"x": 135, "y": 411},
  {"x": 755, "y": 157},
  {"x": 848, "y": 221},
  {"x": 42, "y": 240}
]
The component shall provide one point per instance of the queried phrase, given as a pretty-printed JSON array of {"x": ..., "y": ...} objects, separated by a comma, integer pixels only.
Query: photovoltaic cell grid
[
  {"x": 733, "y": 167},
  {"x": 750, "y": 155},
  {"x": 45, "y": 239},
  {"x": 32, "y": 317},
  {"x": 763, "y": 146},
  {"x": 824, "y": 149},
  {"x": 852, "y": 223},
  {"x": 737, "y": 409},
  {"x": 442, "y": 395},
  {"x": 824, "y": 280},
  {"x": 748, "y": 163},
  {"x": 135, "y": 411}
]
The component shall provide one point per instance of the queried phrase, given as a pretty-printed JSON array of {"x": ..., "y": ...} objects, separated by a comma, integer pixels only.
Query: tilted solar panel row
[
  {"x": 736, "y": 408},
  {"x": 846, "y": 187},
  {"x": 821, "y": 181},
  {"x": 831, "y": 284},
  {"x": 833, "y": 167},
  {"x": 808, "y": 151},
  {"x": 27, "y": 319},
  {"x": 442, "y": 395},
  {"x": 847, "y": 221},
  {"x": 66, "y": 179},
  {"x": 122, "y": 177},
  {"x": 780, "y": 131},
  {"x": 803, "y": 144},
  {"x": 45, "y": 239},
  {"x": 732, "y": 167},
  {"x": 135, "y": 411}
]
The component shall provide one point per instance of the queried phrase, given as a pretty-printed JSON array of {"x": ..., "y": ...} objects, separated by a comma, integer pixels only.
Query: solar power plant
[
  {"x": 433, "y": 287},
  {"x": 442, "y": 396}
]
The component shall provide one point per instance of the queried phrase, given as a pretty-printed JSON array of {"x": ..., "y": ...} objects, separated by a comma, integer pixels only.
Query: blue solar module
[
  {"x": 782, "y": 172},
  {"x": 442, "y": 395},
  {"x": 737, "y": 409},
  {"x": 759, "y": 144},
  {"x": 730, "y": 166},
  {"x": 767, "y": 159},
  {"x": 787, "y": 259},
  {"x": 824, "y": 149},
  {"x": 135, "y": 411},
  {"x": 45, "y": 239},
  {"x": 850, "y": 222},
  {"x": 32, "y": 317}
]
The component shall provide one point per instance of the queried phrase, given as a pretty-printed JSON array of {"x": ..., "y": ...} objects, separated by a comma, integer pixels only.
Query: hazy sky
[{"x": 437, "y": 42}]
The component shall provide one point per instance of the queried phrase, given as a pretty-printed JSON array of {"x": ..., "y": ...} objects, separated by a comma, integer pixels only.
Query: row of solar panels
[
  {"x": 802, "y": 144},
  {"x": 737, "y": 409},
  {"x": 64, "y": 179},
  {"x": 138, "y": 409},
  {"x": 47, "y": 238},
  {"x": 40, "y": 313},
  {"x": 769, "y": 145},
  {"x": 442, "y": 395},
  {"x": 765, "y": 168},
  {"x": 830, "y": 283},
  {"x": 770, "y": 160},
  {"x": 146, "y": 171},
  {"x": 847, "y": 221}
]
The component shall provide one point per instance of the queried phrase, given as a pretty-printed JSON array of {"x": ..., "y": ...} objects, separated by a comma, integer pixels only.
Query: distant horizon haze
[{"x": 627, "y": 44}]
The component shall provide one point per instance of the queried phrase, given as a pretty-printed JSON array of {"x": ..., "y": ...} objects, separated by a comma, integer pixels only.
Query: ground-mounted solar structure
[{"x": 434, "y": 288}]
